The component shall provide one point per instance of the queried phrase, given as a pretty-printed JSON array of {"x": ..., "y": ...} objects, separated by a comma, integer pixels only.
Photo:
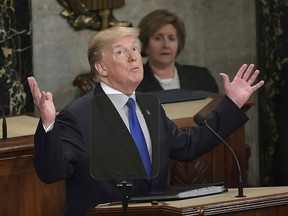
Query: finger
[
  {"x": 42, "y": 99},
  {"x": 35, "y": 91},
  {"x": 258, "y": 85},
  {"x": 253, "y": 77},
  {"x": 31, "y": 84},
  {"x": 247, "y": 73},
  {"x": 241, "y": 71}
]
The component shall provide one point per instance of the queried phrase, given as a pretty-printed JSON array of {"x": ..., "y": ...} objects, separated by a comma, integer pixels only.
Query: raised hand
[
  {"x": 43, "y": 101},
  {"x": 241, "y": 87}
]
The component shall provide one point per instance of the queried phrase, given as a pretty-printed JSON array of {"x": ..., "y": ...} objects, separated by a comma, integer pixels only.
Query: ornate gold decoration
[{"x": 92, "y": 14}]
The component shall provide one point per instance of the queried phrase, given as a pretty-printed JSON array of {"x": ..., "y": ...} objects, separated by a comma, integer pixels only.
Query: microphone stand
[
  {"x": 201, "y": 120},
  {"x": 240, "y": 186},
  {"x": 4, "y": 125},
  {"x": 125, "y": 185}
]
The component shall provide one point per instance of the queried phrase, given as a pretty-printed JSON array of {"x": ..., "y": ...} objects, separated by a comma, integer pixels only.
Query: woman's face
[{"x": 163, "y": 46}]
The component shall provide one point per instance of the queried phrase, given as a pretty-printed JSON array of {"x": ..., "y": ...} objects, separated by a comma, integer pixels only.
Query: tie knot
[{"x": 131, "y": 103}]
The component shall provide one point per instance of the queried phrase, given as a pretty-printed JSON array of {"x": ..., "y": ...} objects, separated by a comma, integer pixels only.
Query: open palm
[{"x": 241, "y": 87}]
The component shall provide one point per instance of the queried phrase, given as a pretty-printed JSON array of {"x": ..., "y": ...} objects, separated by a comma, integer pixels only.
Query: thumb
[
  {"x": 225, "y": 79},
  {"x": 49, "y": 96}
]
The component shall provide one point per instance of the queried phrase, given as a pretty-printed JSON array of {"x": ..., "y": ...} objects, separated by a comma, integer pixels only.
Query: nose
[
  {"x": 132, "y": 56},
  {"x": 166, "y": 42}
]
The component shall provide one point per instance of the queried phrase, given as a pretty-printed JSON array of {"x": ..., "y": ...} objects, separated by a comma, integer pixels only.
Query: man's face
[{"x": 122, "y": 65}]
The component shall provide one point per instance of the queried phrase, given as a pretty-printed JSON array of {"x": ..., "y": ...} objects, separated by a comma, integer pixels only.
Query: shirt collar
[{"x": 118, "y": 98}]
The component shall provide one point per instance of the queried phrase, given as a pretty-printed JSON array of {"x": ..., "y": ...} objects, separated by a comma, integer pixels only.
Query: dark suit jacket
[
  {"x": 191, "y": 78},
  {"x": 65, "y": 151}
]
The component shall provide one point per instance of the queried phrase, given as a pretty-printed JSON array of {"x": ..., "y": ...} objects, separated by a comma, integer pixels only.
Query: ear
[{"x": 101, "y": 68}]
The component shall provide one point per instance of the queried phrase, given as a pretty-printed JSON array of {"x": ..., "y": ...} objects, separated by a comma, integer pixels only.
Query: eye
[
  {"x": 157, "y": 38},
  {"x": 172, "y": 38},
  {"x": 136, "y": 49},
  {"x": 119, "y": 52}
]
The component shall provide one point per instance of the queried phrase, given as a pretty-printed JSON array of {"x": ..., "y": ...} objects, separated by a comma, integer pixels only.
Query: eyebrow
[
  {"x": 121, "y": 45},
  {"x": 162, "y": 34}
]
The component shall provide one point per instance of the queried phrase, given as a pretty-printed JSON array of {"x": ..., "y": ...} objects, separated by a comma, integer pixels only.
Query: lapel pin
[{"x": 148, "y": 112}]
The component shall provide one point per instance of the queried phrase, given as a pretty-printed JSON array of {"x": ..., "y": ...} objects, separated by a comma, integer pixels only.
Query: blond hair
[{"x": 103, "y": 40}]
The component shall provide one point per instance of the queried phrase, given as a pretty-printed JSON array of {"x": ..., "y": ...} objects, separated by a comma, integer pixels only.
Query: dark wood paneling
[
  {"x": 218, "y": 164},
  {"x": 22, "y": 193}
]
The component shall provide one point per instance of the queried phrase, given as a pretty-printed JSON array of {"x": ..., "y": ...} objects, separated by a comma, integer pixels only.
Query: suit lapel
[
  {"x": 149, "y": 106},
  {"x": 118, "y": 129}
]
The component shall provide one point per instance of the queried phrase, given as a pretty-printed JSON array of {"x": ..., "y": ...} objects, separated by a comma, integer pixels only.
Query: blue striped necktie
[{"x": 138, "y": 136}]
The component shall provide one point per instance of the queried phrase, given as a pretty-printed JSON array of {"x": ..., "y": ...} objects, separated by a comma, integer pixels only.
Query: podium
[
  {"x": 218, "y": 165},
  {"x": 259, "y": 201},
  {"x": 22, "y": 193}
]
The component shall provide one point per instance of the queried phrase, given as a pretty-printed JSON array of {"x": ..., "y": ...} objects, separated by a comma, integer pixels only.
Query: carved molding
[{"x": 92, "y": 14}]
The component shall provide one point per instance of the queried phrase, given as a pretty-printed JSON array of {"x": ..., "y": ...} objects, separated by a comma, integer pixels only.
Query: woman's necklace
[{"x": 169, "y": 83}]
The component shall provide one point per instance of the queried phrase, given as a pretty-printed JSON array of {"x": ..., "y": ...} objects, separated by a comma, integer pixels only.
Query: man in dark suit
[{"x": 63, "y": 141}]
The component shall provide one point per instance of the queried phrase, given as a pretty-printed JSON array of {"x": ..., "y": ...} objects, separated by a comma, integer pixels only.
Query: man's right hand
[{"x": 44, "y": 103}]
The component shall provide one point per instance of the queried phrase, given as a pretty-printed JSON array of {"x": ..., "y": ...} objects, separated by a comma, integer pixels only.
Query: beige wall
[{"x": 220, "y": 35}]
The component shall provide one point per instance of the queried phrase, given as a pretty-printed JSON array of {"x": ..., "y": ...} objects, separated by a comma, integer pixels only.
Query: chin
[
  {"x": 137, "y": 82},
  {"x": 138, "y": 78}
]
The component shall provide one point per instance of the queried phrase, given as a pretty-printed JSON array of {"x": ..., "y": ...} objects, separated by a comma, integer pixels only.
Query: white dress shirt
[{"x": 119, "y": 101}]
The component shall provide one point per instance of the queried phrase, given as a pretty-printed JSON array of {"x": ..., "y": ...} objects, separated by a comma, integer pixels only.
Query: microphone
[
  {"x": 4, "y": 125},
  {"x": 201, "y": 120}
]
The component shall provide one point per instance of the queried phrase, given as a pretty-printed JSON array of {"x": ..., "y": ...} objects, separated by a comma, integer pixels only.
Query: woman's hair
[
  {"x": 155, "y": 20},
  {"x": 104, "y": 39}
]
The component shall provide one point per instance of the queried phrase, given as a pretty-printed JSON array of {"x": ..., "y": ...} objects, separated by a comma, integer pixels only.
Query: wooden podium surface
[
  {"x": 258, "y": 201},
  {"x": 22, "y": 193}
]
